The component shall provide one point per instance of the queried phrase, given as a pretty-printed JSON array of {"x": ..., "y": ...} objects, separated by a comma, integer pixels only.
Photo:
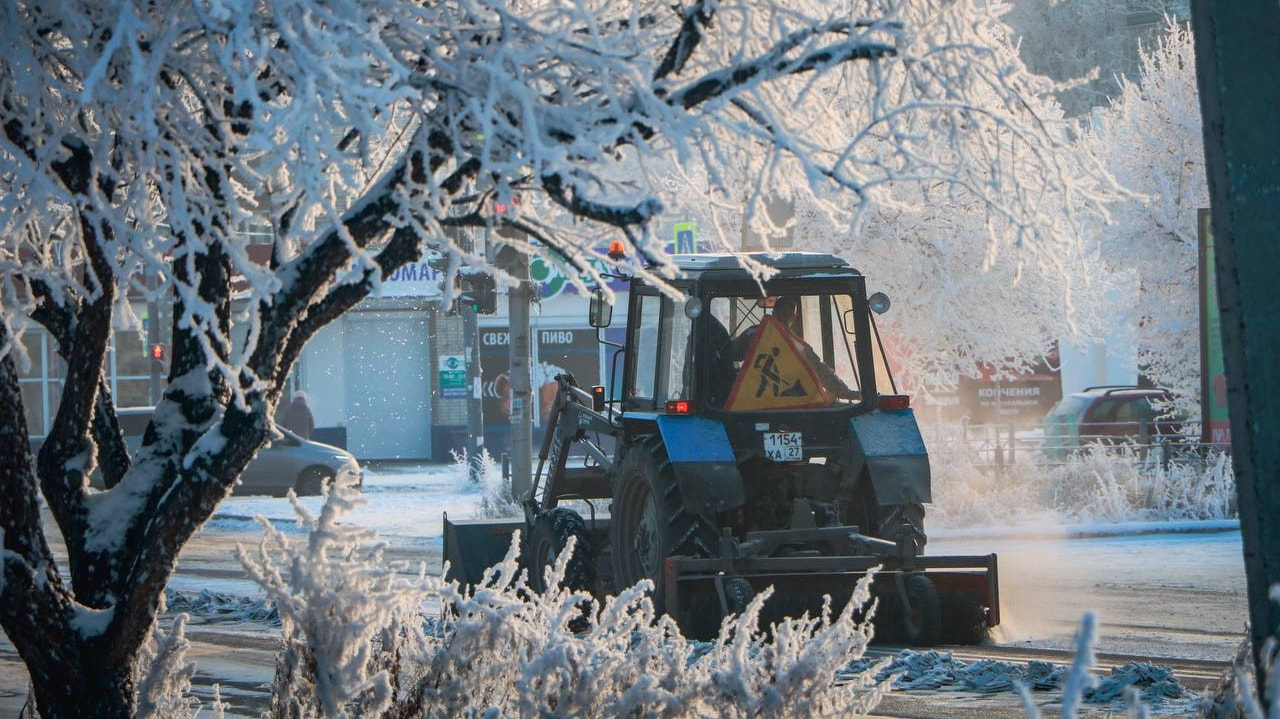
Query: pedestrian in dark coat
[{"x": 298, "y": 418}]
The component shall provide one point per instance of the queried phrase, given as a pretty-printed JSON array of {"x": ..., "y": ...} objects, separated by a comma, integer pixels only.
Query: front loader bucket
[
  {"x": 473, "y": 545},
  {"x": 699, "y": 591}
]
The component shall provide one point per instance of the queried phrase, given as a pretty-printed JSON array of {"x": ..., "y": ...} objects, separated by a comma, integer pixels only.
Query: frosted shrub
[
  {"x": 506, "y": 651},
  {"x": 1124, "y": 484},
  {"x": 1111, "y": 484},
  {"x": 967, "y": 495},
  {"x": 356, "y": 645},
  {"x": 495, "y": 491},
  {"x": 335, "y": 597},
  {"x": 164, "y": 684},
  {"x": 1100, "y": 485}
]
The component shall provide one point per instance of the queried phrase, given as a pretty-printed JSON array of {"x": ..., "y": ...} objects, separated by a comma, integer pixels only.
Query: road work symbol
[{"x": 776, "y": 374}]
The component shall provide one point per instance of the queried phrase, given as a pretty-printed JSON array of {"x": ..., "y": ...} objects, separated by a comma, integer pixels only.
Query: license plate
[{"x": 783, "y": 446}]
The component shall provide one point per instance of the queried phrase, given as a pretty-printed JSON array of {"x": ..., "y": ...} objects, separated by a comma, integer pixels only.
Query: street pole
[
  {"x": 519, "y": 300},
  {"x": 475, "y": 408}
]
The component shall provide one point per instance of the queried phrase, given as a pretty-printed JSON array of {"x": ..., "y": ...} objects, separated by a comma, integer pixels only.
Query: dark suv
[{"x": 1113, "y": 414}]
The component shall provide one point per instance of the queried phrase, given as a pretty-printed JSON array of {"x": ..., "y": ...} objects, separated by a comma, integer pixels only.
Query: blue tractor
[{"x": 754, "y": 438}]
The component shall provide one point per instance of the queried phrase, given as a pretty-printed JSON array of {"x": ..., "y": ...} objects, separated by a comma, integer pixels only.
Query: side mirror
[
  {"x": 601, "y": 312},
  {"x": 879, "y": 303}
]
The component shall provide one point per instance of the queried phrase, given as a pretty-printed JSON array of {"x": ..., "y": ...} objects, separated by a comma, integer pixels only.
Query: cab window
[
  {"x": 645, "y": 347},
  {"x": 781, "y": 352},
  {"x": 662, "y": 354}
]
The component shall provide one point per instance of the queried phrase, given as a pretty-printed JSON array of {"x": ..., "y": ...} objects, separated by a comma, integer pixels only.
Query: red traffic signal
[
  {"x": 157, "y": 351},
  {"x": 507, "y": 209}
]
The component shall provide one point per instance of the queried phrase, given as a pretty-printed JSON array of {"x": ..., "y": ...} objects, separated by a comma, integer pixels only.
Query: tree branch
[
  {"x": 696, "y": 18},
  {"x": 63, "y": 459},
  {"x": 59, "y": 320},
  {"x": 775, "y": 64}
]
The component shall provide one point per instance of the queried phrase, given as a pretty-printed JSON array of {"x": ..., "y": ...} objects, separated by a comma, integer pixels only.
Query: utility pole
[
  {"x": 519, "y": 300},
  {"x": 1237, "y": 59},
  {"x": 475, "y": 407}
]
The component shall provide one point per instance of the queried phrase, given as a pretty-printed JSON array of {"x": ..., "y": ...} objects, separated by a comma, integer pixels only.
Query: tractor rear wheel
[
  {"x": 650, "y": 521},
  {"x": 551, "y": 533},
  {"x": 882, "y": 521}
]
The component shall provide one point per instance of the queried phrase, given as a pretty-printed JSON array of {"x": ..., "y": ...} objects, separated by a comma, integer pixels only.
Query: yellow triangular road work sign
[{"x": 775, "y": 374}]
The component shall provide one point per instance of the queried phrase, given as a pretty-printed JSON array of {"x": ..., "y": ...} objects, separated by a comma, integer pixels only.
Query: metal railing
[{"x": 995, "y": 447}]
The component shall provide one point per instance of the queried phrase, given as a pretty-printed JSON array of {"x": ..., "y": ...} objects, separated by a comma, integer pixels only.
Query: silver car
[{"x": 289, "y": 462}]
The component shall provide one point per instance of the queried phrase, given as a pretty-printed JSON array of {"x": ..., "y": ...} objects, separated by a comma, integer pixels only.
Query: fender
[
  {"x": 702, "y": 457},
  {"x": 888, "y": 444}
]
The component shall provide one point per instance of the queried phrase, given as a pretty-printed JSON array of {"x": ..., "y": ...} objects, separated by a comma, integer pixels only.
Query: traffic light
[
  {"x": 159, "y": 362},
  {"x": 479, "y": 291}
]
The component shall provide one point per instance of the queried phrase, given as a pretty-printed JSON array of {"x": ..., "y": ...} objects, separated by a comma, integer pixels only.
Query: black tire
[
  {"x": 922, "y": 614},
  {"x": 311, "y": 482},
  {"x": 650, "y": 521},
  {"x": 964, "y": 619},
  {"x": 551, "y": 533}
]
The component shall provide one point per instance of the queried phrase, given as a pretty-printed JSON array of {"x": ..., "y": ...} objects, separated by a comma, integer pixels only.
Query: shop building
[{"x": 390, "y": 374}]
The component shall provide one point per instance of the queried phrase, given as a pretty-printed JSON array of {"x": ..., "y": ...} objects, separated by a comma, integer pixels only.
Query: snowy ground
[{"x": 1159, "y": 588}]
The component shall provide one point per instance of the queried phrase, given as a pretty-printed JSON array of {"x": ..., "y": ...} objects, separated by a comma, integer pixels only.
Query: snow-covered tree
[
  {"x": 981, "y": 227},
  {"x": 141, "y": 141},
  {"x": 1150, "y": 138}
]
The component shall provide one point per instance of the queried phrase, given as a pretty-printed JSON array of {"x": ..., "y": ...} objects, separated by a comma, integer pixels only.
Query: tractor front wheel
[
  {"x": 551, "y": 533},
  {"x": 650, "y": 521}
]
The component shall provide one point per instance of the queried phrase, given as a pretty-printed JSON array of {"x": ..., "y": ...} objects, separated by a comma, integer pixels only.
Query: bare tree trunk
[
  {"x": 1237, "y": 58},
  {"x": 93, "y": 688}
]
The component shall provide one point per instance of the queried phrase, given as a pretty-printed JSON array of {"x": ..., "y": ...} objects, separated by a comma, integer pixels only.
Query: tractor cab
[{"x": 804, "y": 340}]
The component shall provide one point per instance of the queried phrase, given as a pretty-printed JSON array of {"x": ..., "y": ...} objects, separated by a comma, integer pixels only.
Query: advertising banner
[
  {"x": 495, "y": 388},
  {"x": 1023, "y": 398},
  {"x": 558, "y": 351}
]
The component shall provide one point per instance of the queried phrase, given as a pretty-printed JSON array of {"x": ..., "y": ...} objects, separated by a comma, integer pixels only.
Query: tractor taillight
[
  {"x": 895, "y": 401},
  {"x": 679, "y": 406},
  {"x": 597, "y": 397}
]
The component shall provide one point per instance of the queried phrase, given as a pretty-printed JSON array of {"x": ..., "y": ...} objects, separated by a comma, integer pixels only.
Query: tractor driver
[{"x": 787, "y": 311}]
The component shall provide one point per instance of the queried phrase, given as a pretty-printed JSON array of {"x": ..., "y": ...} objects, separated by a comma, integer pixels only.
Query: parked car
[
  {"x": 1112, "y": 414},
  {"x": 288, "y": 462}
]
